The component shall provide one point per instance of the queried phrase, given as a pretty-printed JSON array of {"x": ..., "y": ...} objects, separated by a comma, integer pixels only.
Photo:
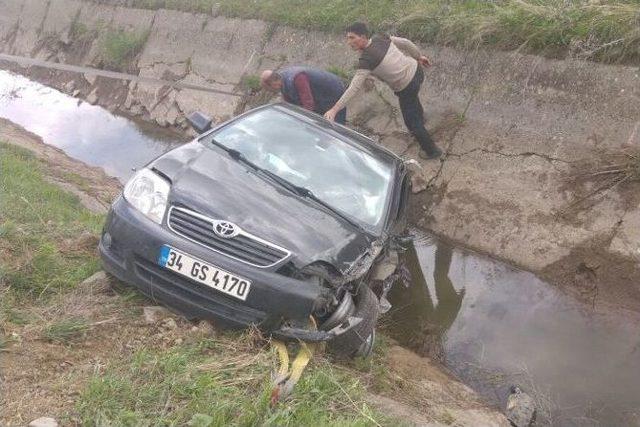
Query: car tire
[{"x": 358, "y": 341}]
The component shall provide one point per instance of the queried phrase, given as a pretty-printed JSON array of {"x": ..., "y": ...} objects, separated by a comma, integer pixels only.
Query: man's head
[
  {"x": 270, "y": 80},
  {"x": 357, "y": 35}
]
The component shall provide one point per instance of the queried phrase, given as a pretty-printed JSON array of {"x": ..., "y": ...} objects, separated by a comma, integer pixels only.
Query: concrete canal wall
[{"x": 519, "y": 130}]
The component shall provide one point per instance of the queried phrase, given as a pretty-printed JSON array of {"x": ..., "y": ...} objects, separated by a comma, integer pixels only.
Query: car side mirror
[{"x": 199, "y": 121}]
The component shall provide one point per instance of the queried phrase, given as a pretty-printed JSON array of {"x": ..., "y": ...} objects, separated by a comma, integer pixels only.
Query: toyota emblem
[{"x": 225, "y": 229}]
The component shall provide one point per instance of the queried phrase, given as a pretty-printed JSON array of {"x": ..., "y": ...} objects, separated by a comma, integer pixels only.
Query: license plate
[{"x": 204, "y": 273}]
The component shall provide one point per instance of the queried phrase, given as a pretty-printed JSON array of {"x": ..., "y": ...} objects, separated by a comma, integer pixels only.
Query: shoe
[{"x": 435, "y": 155}]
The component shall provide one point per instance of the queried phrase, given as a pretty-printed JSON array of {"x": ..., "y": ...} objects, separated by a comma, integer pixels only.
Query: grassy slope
[
  {"x": 166, "y": 377},
  {"x": 39, "y": 225},
  {"x": 603, "y": 30}
]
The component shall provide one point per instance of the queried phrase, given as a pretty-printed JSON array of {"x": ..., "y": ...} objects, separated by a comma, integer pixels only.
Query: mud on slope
[{"x": 512, "y": 124}]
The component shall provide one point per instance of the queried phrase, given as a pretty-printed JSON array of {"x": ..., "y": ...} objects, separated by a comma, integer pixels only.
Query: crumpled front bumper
[{"x": 276, "y": 304}]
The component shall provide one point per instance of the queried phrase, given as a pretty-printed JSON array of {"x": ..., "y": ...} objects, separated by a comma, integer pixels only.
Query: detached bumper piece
[{"x": 314, "y": 336}]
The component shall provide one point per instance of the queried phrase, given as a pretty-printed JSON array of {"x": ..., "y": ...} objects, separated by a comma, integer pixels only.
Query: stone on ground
[
  {"x": 155, "y": 313},
  {"x": 44, "y": 422}
]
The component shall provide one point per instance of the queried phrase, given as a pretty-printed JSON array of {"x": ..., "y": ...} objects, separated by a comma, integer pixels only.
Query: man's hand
[
  {"x": 331, "y": 114},
  {"x": 424, "y": 61}
]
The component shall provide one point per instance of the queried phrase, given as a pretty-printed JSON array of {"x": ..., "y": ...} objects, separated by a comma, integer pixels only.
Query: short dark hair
[{"x": 359, "y": 28}]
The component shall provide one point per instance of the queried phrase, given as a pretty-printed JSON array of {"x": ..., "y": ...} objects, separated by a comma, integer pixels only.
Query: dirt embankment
[
  {"x": 91, "y": 185},
  {"x": 514, "y": 127}
]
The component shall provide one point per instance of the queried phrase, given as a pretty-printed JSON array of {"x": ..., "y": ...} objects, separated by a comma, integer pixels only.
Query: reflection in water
[
  {"x": 418, "y": 321},
  {"x": 495, "y": 326},
  {"x": 86, "y": 132}
]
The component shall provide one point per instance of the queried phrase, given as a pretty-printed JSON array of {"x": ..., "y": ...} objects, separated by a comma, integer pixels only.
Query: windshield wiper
[
  {"x": 305, "y": 192},
  {"x": 296, "y": 189},
  {"x": 235, "y": 154}
]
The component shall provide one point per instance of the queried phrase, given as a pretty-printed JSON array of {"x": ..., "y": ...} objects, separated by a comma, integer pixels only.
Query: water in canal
[
  {"x": 492, "y": 325},
  {"x": 84, "y": 131},
  {"x": 495, "y": 326}
]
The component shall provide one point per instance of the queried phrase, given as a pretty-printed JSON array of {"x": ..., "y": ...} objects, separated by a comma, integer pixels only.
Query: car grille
[{"x": 244, "y": 247}]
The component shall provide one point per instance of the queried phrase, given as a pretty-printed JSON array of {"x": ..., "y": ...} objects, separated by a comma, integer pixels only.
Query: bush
[{"x": 119, "y": 47}]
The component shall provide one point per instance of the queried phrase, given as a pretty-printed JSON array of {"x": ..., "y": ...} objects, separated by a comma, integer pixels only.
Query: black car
[{"x": 276, "y": 218}]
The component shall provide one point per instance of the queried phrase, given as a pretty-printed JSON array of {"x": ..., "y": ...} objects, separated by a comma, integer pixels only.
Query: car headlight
[{"x": 148, "y": 193}]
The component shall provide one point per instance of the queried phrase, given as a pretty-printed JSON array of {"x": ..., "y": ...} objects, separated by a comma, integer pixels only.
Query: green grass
[
  {"x": 251, "y": 82},
  {"x": 36, "y": 218},
  {"x": 344, "y": 74},
  {"x": 602, "y": 30},
  {"x": 118, "y": 47},
  {"x": 209, "y": 383},
  {"x": 67, "y": 330}
]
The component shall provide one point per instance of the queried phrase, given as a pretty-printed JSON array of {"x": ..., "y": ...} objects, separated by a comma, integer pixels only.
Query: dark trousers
[
  {"x": 413, "y": 114},
  {"x": 341, "y": 117}
]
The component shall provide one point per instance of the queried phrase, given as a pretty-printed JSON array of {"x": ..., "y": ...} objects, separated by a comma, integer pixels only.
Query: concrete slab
[
  {"x": 294, "y": 46},
  {"x": 8, "y": 22},
  {"x": 128, "y": 19},
  {"x": 171, "y": 38},
  {"x": 60, "y": 16},
  {"x": 31, "y": 18},
  {"x": 226, "y": 49},
  {"x": 220, "y": 107}
]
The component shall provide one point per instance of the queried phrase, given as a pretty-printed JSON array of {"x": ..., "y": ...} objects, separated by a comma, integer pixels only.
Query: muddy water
[
  {"x": 84, "y": 131},
  {"x": 492, "y": 325},
  {"x": 495, "y": 326}
]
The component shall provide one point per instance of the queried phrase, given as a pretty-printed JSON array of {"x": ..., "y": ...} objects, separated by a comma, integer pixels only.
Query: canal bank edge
[
  {"x": 435, "y": 394},
  {"x": 515, "y": 127}
]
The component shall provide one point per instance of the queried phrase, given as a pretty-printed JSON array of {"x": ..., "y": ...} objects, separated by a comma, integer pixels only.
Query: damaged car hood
[{"x": 208, "y": 181}]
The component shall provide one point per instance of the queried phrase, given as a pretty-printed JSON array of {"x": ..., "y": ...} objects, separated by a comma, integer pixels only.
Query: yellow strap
[
  {"x": 300, "y": 362},
  {"x": 283, "y": 355}
]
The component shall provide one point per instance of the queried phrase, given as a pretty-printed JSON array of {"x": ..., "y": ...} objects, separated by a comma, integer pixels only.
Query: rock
[
  {"x": 128, "y": 103},
  {"x": 92, "y": 98},
  {"x": 521, "y": 408},
  {"x": 44, "y": 422},
  {"x": 76, "y": 93},
  {"x": 69, "y": 86},
  {"x": 418, "y": 183},
  {"x": 386, "y": 267},
  {"x": 155, "y": 313},
  {"x": 161, "y": 121},
  {"x": 136, "y": 110},
  {"x": 206, "y": 327},
  {"x": 170, "y": 324},
  {"x": 90, "y": 78},
  {"x": 97, "y": 280}
]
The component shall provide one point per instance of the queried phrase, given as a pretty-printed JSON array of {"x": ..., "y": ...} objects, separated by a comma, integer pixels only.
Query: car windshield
[{"x": 342, "y": 175}]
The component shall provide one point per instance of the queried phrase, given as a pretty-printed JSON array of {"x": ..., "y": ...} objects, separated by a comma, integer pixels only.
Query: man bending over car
[{"x": 313, "y": 89}]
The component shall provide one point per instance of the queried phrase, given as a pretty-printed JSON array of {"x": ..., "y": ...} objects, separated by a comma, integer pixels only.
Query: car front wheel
[{"x": 359, "y": 340}]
